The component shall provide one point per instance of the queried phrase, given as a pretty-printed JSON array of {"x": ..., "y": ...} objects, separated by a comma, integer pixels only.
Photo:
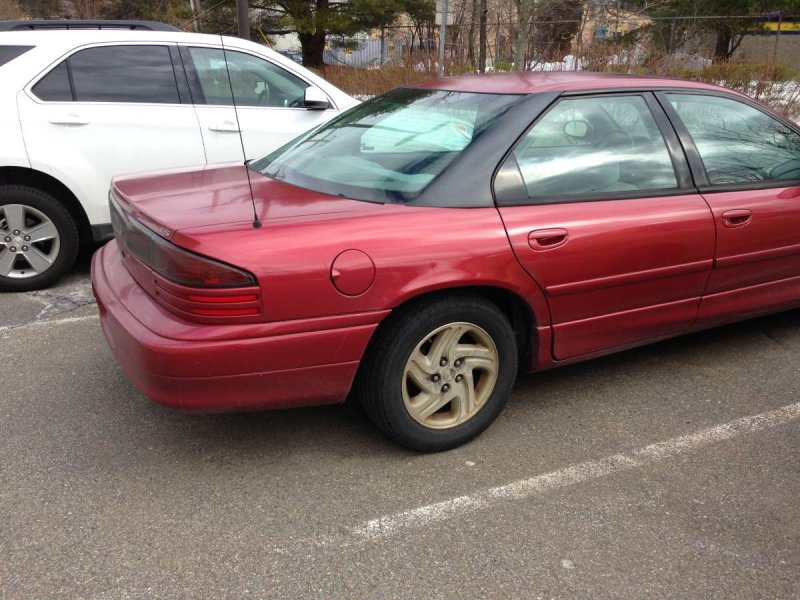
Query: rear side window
[
  {"x": 594, "y": 146},
  {"x": 738, "y": 143},
  {"x": 131, "y": 74},
  {"x": 9, "y": 53},
  {"x": 124, "y": 74},
  {"x": 54, "y": 87}
]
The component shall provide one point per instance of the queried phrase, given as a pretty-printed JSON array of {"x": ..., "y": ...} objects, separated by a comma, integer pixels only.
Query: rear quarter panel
[{"x": 414, "y": 249}]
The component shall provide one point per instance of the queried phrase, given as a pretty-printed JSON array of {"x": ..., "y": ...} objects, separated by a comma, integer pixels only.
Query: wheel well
[
  {"x": 513, "y": 306},
  {"x": 51, "y": 185}
]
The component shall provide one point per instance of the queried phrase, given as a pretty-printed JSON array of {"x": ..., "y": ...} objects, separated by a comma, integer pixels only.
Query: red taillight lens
[
  {"x": 191, "y": 286},
  {"x": 224, "y": 312},
  {"x": 170, "y": 261},
  {"x": 190, "y": 269},
  {"x": 221, "y": 299}
]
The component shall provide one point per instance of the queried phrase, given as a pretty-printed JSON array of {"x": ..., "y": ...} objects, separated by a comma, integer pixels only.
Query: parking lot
[{"x": 667, "y": 471}]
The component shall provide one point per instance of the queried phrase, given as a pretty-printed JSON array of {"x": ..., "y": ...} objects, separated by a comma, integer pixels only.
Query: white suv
[{"x": 78, "y": 107}]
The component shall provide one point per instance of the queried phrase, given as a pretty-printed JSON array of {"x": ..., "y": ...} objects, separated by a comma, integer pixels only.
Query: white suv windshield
[{"x": 388, "y": 149}]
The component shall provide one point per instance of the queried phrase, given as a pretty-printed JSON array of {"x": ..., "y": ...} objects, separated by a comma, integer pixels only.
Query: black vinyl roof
[{"x": 59, "y": 24}]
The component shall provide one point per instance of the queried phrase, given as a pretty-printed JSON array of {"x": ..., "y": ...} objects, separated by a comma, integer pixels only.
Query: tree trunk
[
  {"x": 471, "y": 45},
  {"x": 524, "y": 9},
  {"x": 313, "y": 46},
  {"x": 722, "y": 49},
  {"x": 482, "y": 42}
]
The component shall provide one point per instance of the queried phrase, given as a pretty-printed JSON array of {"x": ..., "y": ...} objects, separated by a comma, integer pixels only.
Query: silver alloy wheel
[
  {"x": 450, "y": 375},
  {"x": 29, "y": 241}
]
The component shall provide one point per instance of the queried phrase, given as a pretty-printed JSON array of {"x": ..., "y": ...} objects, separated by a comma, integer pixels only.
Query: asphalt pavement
[{"x": 670, "y": 471}]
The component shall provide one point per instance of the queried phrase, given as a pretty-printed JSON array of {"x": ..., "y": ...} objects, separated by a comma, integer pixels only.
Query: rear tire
[
  {"x": 38, "y": 239},
  {"x": 439, "y": 372}
]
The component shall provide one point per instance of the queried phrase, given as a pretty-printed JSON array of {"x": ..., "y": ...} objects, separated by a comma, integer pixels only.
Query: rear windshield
[
  {"x": 388, "y": 149},
  {"x": 9, "y": 53}
]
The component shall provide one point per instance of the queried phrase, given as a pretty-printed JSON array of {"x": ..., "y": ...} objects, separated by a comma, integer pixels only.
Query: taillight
[
  {"x": 194, "y": 287},
  {"x": 212, "y": 305},
  {"x": 171, "y": 262}
]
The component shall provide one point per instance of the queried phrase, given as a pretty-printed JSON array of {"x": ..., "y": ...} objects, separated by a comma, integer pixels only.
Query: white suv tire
[{"x": 38, "y": 239}]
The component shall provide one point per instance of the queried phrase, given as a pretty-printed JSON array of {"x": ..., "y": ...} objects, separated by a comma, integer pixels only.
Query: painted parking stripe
[{"x": 389, "y": 525}]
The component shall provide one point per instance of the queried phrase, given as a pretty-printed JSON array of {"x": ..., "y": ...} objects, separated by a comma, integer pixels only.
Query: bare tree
[
  {"x": 524, "y": 13},
  {"x": 9, "y": 9}
]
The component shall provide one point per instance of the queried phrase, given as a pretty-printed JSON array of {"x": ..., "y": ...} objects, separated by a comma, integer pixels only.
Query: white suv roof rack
[{"x": 81, "y": 24}]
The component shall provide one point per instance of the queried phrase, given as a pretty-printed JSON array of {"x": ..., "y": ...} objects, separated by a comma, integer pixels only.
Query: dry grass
[
  {"x": 777, "y": 86},
  {"x": 371, "y": 82}
]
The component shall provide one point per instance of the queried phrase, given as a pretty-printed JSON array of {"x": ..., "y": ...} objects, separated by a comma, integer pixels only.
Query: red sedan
[{"x": 422, "y": 248}]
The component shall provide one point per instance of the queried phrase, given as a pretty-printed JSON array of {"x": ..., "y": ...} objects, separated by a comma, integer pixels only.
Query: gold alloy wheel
[{"x": 450, "y": 375}]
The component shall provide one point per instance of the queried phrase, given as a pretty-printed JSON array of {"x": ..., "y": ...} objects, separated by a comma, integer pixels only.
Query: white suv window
[
  {"x": 256, "y": 82},
  {"x": 132, "y": 74}
]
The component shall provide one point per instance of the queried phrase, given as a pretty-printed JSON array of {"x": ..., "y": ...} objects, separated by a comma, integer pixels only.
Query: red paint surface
[{"x": 597, "y": 277}]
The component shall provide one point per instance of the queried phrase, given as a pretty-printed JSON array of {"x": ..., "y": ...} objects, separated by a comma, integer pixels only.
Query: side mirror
[
  {"x": 576, "y": 129},
  {"x": 315, "y": 99}
]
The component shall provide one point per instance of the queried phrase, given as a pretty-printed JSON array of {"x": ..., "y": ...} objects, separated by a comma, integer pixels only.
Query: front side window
[
  {"x": 390, "y": 148},
  {"x": 738, "y": 143},
  {"x": 255, "y": 82},
  {"x": 593, "y": 146}
]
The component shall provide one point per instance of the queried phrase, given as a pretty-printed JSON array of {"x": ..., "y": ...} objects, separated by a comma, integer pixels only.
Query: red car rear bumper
[{"x": 238, "y": 373}]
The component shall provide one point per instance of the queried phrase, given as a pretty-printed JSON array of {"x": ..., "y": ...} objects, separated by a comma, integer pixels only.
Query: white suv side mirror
[{"x": 315, "y": 99}]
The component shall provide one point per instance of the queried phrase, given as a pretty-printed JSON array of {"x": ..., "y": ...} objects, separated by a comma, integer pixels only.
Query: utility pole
[
  {"x": 442, "y": 37},
  {"x": 243, "y": 19},
  {"x": 196, "y": 10},
  {"x": 482, "y": 38}
]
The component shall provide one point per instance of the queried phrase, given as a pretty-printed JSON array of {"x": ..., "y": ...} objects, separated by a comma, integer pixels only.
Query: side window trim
[
  {"x": 70, "y": 79},
  {"x": 693, "y": 155},
  {"x": 65, "y": 59},
  {"x": 509, "y": 189},
  {"x": 680, "y": 164},
  {"x": 184, "y": 93},
  {"x": 198, "y": 97}
]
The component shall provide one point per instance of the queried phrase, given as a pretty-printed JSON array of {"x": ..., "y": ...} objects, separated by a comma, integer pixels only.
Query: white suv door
[
  {"x": 269, "y": 101},
  {"x": 110, "y": 110}
]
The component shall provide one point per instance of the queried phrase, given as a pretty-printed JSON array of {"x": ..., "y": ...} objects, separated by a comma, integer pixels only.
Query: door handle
[
  {"x": 224, "y": 127},
  {"x": 547, "y": 239},
  {"x": 69, "y": 119},
  {"x": 736, "y": 218}
]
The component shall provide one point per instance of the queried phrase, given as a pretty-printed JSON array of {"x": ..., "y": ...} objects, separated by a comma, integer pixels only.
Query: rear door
[
  {"x": 747, "y": 164},
  {"x": 600, "y": 210},
  {"x": 110, "y": 110},
  {"x": 269, "y": 101}
]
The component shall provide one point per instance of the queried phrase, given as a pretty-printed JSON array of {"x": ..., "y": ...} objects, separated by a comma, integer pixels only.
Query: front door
[
  {"x": 605, "y": 220},
  {"x": 269, "y": 101},
  {"x": 749, "y": 172}
]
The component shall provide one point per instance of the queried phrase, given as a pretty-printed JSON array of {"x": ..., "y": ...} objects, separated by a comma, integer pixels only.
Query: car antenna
[{"x": 256, "y": 220}]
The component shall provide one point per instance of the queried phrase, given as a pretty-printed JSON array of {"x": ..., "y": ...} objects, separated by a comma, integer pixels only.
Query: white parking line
[
  {"x": 7, "y": 328},
  {"x": 386, "y": 526}
]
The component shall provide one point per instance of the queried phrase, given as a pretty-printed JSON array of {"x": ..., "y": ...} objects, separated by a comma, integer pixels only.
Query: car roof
[
  {"x": 554, "y": 81},
  {"x": 76, "y": 37}
]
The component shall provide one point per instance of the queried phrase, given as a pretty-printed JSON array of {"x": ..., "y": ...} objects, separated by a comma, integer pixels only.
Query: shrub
[{"x": 777, "y": 86}]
